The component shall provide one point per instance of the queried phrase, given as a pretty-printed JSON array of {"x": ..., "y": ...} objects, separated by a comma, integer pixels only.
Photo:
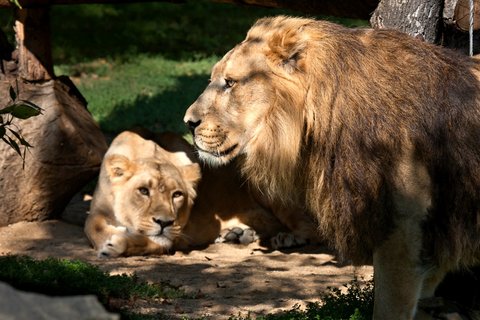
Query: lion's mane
[{"x": 348, "y": 110}]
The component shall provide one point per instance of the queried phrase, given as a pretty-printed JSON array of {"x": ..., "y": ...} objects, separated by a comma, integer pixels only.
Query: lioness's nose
[{"x": 163, "y": 223}]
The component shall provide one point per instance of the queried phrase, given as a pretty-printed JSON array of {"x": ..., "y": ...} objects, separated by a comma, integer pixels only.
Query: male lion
[
  {"x": 374, "y": 132},
  {"x": 152, "y": 198}
]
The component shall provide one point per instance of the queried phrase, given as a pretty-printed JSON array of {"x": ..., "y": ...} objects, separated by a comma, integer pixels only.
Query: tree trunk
[
  {"x": 419, "y": 18},
  {"x": 32, "y": 31}
]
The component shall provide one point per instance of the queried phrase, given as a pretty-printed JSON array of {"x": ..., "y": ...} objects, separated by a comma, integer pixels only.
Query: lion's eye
[
  {"x": 144, "y": 191},
  {"x": 229, "y": 83},
  {"x": 177, "y": 194}
]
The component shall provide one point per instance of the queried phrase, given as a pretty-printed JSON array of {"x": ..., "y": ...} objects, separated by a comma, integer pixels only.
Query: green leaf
[
  {"x": 23, "y": 142},
  {"x": 13, "y": 94},
  {"x": 25, "y": 109},
  {"x": 14, "y": 145},
  {"x": 7, "y": 109}
]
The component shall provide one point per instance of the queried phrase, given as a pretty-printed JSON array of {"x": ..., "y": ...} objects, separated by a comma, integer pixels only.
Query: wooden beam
[{"x": 361, "y": 9}]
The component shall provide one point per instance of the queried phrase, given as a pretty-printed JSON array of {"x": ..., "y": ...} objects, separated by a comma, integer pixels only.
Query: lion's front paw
[
  {"x": 287, "y": 240},
  {"x": 238, "y": 235},
  {"x": 114, "y": 247}
]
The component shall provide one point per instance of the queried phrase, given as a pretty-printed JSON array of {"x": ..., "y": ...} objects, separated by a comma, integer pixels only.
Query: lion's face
[
  {"x": 226, "y": 116},
  {"x": 253, "y": 106},
  {"x": 152, "y": 197}
]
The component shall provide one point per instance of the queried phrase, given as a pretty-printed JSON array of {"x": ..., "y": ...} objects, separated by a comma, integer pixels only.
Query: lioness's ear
[
  {"x": 287, "y": 49},
  {"x": 118, "y": 167},
  {"x": 191, "y": 173}
]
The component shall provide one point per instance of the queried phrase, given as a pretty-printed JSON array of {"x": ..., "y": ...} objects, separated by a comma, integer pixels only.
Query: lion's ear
[
  {"x": 191, "y": 173},
  {"x": 287, "y": 50},
  {"x": 118, "y": 167}
]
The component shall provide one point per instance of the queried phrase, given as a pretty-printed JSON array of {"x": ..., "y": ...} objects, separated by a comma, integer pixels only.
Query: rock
[
  {"x": 68, "y": 148},
  {"x": 19, "y": 305}
]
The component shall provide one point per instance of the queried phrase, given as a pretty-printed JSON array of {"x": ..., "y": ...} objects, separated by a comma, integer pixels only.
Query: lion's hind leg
[{"x": 285, "y": 240}]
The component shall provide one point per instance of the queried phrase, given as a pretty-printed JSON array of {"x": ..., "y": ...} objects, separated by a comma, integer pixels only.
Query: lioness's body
[
  {"x": 119, "y": 224},
  {"x": 376, "y": 133}
]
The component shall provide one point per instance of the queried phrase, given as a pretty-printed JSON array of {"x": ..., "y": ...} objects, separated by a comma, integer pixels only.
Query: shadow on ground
[{"x": 223, "y": 279}]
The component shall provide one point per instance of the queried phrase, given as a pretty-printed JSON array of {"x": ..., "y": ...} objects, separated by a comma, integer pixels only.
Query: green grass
[
  {"x": 150, "y": 91},
  {"x": 145, "y": 63},
  {"x": 61, "y": 277}
]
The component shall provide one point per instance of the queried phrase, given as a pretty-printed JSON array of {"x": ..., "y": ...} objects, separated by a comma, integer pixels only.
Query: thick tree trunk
[{"x": 419, "y": 18}]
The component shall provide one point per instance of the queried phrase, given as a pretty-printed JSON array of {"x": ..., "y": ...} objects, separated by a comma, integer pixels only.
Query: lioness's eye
[
  {"x": 177, "y": 194},
  {"x": 144, "y": 191},
  {"x": 229, "y": 83}
]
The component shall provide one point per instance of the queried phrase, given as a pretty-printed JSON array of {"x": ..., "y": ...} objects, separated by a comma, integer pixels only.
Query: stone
[
  {"x": 19, "y": 305},
  {"x": 68, "y": 148}
]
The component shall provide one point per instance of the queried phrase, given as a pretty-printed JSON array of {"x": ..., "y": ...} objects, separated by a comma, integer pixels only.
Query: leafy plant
[{"x": 16, "y": 109}]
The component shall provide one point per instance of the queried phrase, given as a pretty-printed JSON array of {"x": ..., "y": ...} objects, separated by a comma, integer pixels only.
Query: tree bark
[
  {"x": 419, "y": 18},
  {"x": 32, "y": 31}
]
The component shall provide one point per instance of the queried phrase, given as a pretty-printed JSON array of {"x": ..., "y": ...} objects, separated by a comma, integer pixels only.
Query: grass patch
[
  {"x": 61, "y": 277},
  {"x": 143, "y": 64},
  {"x": 151, "y": 91}
]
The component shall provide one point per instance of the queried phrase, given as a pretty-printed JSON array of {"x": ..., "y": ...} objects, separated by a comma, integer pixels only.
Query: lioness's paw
[
  {"x": 287, "y": 240},
  {"x": 237, "y": 235},
  {"x": 114, "y": 247}
]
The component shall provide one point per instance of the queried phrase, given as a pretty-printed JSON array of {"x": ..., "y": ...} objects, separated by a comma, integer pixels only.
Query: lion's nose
[
  {"x": 192, "y": 125},
  {"x": 163, "y": 223}
]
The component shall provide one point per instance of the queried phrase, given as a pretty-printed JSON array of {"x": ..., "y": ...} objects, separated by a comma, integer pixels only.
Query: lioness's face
[
  {"x": 150, "y": 197},
  {"x": 225, "y": 118}
]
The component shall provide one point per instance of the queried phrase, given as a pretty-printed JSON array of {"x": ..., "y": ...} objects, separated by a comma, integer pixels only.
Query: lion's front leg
[{"x": 398, "y": 274}]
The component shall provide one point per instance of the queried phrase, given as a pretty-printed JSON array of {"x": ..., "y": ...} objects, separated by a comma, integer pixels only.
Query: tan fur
[
  {"x": 375, "y": 133},
  {"x": 121, "y": 221}
]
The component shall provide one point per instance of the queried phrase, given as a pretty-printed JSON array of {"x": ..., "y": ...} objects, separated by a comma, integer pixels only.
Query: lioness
[
  {"x": 375, "y": 132},
  {"x": 152, "y": 201}
]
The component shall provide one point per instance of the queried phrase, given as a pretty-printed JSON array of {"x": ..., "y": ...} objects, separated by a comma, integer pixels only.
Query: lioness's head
[
  {"x": 152, "y": 197},
  {"x": 254, "y": 104}
]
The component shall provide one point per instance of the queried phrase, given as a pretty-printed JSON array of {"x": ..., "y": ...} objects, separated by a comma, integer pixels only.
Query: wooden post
[{"x": 32, "y": 31}]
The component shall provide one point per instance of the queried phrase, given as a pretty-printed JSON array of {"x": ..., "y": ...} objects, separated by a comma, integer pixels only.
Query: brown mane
[{"x": 353, "y": 129}]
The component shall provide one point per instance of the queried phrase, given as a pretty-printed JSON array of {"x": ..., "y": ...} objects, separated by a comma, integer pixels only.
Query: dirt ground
[{"x": 226, "y": 279}]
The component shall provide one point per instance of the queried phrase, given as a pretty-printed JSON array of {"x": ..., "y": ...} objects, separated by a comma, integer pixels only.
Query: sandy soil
[{"x": 226, "y": 279}]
